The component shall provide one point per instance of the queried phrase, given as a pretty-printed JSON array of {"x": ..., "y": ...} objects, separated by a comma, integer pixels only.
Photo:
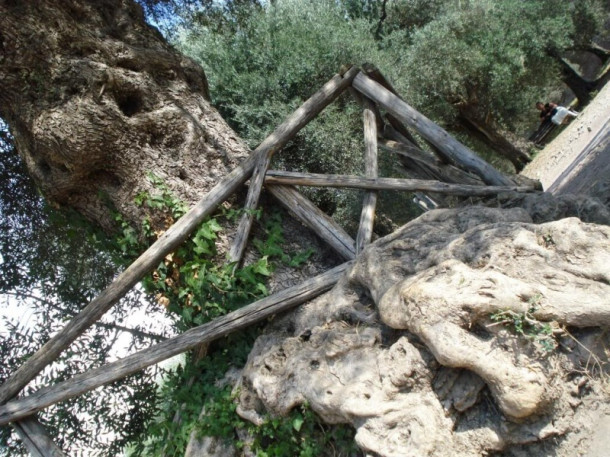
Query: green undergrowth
[
  {"x": 197, "y": 284},
  {"x": 197, "y": 386}
]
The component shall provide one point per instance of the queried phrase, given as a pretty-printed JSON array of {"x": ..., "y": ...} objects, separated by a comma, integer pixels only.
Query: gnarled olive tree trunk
[
  {"x": 485, "y": 130},
  {"x": 96, "y": 98}
]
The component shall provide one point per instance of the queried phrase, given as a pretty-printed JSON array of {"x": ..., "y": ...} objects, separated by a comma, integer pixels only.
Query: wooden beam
[
  {"x": 234, "y": 321},
  {"x": 166, "y": 243},
  {"x": 435, "y": 169},
  {"x": 320, "y": 223},
  {"x": 36, "y": 439},
  {"x": 367, "y": 215},
  {"x": 357, "y": 182},
  {"x": 457, "y": 152},
  {"x": 415, "y": 163},
  {"x": 373, "y": 72},
  {"x": 411, "y": 151},
  {"x": 282, "y": 134}
]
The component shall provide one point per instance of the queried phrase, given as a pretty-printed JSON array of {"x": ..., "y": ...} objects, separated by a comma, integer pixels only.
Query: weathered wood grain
[
  {"x": 457, "y": 152},
  {"x": 250, "y": 314},
  {"x": 282, "y": 134},
  {"x": 357, "y": 182},
  {"x": 367, "y": 215},
  {"x": 435, "y": 168},
  {"x": 36, "y": 439},
  {"x": 314, "y": 218}
]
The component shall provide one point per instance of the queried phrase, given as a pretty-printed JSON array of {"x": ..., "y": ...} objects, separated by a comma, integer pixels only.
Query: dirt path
[{"x": 578, "y": 160}]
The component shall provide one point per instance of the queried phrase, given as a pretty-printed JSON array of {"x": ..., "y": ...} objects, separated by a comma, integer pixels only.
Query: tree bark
[
  {"x": 490, "y": 136},
  {"x": 96, "y": 99},
  {"x": 581, "y": 87}
]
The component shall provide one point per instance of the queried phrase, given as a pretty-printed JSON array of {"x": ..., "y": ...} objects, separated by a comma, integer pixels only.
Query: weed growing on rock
[{"x": 527, "y": 325}]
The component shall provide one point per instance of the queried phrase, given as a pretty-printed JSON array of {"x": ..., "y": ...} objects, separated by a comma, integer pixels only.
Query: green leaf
[
  {"x": 297, "y": 423},
  {"x": 301, "y": 258},
  {"x": 262, "y": 267}
]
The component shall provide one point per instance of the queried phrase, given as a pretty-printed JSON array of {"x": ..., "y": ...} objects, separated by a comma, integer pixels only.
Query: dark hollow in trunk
[{"x": 96, "y": 99}]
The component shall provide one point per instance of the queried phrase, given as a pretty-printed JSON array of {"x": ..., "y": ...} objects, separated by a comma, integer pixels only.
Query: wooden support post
[
  {"x": 36, "y": 438},
  {"x": 310, "y": 215},
  {"x": 457, "y": 152},
  {"x": 395, "y": 144},
  {"x": 373, "y": 72},
  {"x": 169, "y": 241},
  {"x": 367, "y": 215},
  {"x": 357, "y": 182},
  {"x": 286, "y": 131},
  {"x": 234, "y": 321}
]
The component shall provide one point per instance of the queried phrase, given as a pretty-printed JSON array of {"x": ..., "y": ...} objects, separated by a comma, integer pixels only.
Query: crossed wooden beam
[{"x": 373, "y": 95}]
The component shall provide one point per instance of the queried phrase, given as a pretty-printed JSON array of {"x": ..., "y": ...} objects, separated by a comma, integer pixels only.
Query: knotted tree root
[
  {"x": 550, "y": 263},
  {"x": 404, "y": 346}
]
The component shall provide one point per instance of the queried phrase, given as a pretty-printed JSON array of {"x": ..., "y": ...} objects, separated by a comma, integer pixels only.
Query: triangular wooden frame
[{"x": 373, "y": 95}]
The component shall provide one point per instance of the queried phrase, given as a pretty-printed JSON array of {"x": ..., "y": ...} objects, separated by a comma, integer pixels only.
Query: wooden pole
[
  {"x": 311, "y": 108},
  {"x": 373, "y": 72},
  {"x": 437, "y": 170},
  {"x": 314, "y": 218},
  {"x": 357, "y": 182},
  {"x": 409, "y": 166},
  {"x": 236, "y": 320},
  {"x": 167, "y": 242},
  {"x": 457, "y": 152},
  {"x": 36, "y": 438},
  {"x": 367, "y": 215}
]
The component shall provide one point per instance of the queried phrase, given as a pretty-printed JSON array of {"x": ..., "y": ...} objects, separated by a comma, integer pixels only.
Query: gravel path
[{"x": 578, "y": 159}]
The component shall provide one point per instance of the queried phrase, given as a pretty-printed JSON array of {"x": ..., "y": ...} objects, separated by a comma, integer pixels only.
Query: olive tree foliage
[
  {"x": 476, "y": 63},
  {"x": 263, "y": 66},
  {"x": 259, "y": 70},
  {"x": 52, "y": 264},
  {"x": 489, "y": 55}
]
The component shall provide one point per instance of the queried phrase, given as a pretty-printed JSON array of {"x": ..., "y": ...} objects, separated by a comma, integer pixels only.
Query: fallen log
[
  {"x": 357, "y": 182},
  {"x": 314, "y": 218},
  {"x": 457, "y": 152},
  {"x": 282, "y": 134},
  {"x": 250, "y": 314}
]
